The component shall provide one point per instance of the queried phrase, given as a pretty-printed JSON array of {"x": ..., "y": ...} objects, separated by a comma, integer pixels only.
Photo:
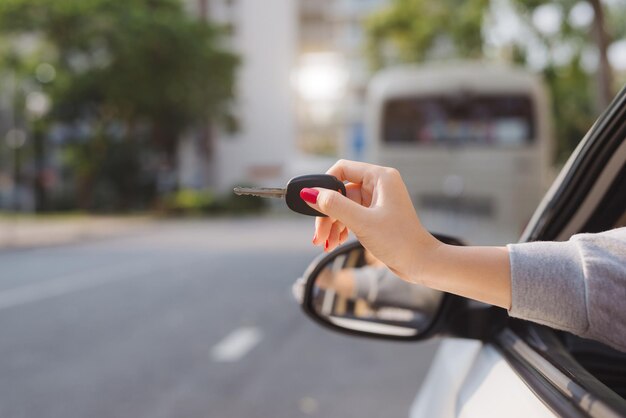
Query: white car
[{"x": 491, "y": 365}]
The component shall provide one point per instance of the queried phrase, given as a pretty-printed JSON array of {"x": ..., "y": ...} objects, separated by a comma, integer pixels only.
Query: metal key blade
[{"x": 260, "y": 191}]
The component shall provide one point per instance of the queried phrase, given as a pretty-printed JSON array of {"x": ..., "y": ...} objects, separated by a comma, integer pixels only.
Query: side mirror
[{"x": 349, "y": 290}]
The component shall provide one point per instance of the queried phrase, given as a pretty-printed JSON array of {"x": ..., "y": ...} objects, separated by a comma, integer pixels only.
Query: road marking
[
  {"x": 236, "y": 344},
  {"x": 72, "y": 283}
]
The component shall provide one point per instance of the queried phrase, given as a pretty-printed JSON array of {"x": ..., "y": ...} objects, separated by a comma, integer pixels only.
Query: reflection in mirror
[{"x": 357, "y": 291}]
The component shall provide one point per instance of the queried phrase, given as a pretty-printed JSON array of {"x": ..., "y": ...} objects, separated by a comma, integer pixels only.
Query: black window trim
[
  {"x": 582, "y": 170},
  {"x": 555, "y": 377},
  {"x": 534, "y": 351}
]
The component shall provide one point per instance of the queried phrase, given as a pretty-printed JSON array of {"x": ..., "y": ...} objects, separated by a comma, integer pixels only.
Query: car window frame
[
  {"x": 535, "y": 352},
  {"x": 546, "y": 367}
]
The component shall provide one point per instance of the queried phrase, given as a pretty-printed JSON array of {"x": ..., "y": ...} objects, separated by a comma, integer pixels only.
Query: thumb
[{"x": 335, "y": 205}]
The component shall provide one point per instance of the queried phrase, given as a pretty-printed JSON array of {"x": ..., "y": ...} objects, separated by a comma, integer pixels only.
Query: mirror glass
[{"x": 354, "y": 290}]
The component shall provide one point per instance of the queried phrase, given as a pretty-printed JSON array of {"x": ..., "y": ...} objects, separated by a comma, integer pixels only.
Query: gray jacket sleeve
[
  {"x": 577, "y": 286},
  {"x": 381, "y": 287}
]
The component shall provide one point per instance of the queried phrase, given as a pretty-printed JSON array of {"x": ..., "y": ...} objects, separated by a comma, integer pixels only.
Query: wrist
[
  {"x": 479, "y": 273},
  {"x": 425, "y": 253}
]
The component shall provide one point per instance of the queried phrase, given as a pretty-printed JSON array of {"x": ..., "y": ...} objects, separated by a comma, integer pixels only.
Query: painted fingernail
[
  {"x": 326, "y": 245},
  {"x": 309, "y": 195}
]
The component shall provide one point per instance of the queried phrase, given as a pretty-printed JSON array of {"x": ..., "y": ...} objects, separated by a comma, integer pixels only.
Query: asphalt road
[{"x": 186, "y": 319}]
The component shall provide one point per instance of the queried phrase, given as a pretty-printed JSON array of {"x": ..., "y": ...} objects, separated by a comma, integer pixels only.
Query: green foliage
[
  {"x": 199, "y": 202},
  {"x": 190, "y": 201},
  {"x": 573, "y": 90},
  {"x": 131, "y": 77},
  {"x": 572, "y": 106},
  {"x": 108, "y": 174},
  {"x": 408, "y": 30}
]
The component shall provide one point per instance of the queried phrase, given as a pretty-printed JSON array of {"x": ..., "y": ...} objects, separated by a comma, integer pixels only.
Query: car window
[
  {"x": 549, "y": 367},
  {"x": 602, "y": 362},
  {"x": 588, "y": 194},
  {"x": 589, "y": 197}
]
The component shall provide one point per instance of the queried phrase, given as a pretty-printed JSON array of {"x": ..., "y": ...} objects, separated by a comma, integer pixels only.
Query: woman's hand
[{"x": 378, "y": 210}]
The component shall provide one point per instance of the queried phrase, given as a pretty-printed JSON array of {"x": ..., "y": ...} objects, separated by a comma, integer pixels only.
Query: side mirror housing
[{"x": 350, "y": 291}]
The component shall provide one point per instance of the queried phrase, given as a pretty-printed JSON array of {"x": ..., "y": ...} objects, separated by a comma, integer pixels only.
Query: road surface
[{"x": 186, "y": 319}]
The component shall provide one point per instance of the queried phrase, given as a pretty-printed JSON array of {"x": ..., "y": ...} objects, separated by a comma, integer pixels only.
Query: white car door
[
  {"x": 546, "y": 373},
  {"x": 468, "y": 379}
]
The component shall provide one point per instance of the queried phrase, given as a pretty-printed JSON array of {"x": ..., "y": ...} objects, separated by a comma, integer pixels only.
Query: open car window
[
  {"x": 580, "y": 377},
  {"x": 588, "y": 195}
]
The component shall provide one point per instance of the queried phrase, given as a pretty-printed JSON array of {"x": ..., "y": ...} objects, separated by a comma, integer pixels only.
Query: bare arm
[
  {"x": 578, "y": 286},
  {"x": 379, "y": 211},
  {"x": 480, "y": 273}
]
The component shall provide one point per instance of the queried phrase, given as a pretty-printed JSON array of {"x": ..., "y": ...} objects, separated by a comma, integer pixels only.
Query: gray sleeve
[
  {"x": 366, "y": 282},
  {"x": 380, "y": 286},
  {"x": 393, "y": 291},
  {"x": 577, "y": 286}
]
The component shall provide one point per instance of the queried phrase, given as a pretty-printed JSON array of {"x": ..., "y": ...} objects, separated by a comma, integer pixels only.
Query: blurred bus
[{"x": 472, "y": 141}]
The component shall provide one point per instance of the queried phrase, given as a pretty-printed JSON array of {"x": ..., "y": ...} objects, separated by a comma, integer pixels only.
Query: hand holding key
[
  {"x": 378, "y": 209},
  {"x": 376, "y": 206}
]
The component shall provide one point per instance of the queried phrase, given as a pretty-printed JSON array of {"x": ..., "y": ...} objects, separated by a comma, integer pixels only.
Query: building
[
  {"x": 301, "y": 88},
  {"x": 264, "y": 34},
  {"x": 331, "y": 32}
]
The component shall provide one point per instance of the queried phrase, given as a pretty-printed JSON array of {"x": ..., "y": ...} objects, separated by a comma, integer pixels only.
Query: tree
[
  {"x": 597, "y": 34},
  {"x": 577, "y": 99},
  {"x": 128, "y": 74},
  {"x": 412, "y": 30},
  {"x": 408, "y": 30}
]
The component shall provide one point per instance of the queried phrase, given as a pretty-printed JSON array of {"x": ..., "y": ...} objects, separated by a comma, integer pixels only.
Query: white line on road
[
  {"x": 236, "y": 344},
  {"x": 71, "y": 283}
]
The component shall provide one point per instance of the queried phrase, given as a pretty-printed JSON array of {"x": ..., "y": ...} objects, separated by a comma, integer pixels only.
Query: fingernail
[
  {"x": 314, "y": 239},
  {"x": 326, "y": 245},
  {"x": 309, "y": 195}
]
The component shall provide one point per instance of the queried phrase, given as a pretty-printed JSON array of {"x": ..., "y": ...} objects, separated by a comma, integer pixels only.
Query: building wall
[
  {"x": 271, "y": 36},
  {"x": 336, "y": 26},
  {"x": 264, "y": 33},
  {"x": 265, "y": 36}
]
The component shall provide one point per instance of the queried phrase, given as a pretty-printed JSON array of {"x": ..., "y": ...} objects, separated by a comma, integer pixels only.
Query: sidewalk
[{"x": 28, "y": 232}]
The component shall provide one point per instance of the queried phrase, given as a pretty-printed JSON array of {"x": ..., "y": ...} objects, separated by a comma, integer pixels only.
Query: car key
[{"x": 292, "y": 192}]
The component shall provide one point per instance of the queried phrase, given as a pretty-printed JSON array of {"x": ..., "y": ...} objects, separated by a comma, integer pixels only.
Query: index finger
[{"x": 352, "y": 171}]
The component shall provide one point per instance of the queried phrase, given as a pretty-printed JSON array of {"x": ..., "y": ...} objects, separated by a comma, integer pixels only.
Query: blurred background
[{"x": 124, "y": 125}]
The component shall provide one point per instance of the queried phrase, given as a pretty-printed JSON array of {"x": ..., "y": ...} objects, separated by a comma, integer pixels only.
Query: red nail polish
[
  {"x": 309, "y": 195},
  {"x": 326, "y": 245}
]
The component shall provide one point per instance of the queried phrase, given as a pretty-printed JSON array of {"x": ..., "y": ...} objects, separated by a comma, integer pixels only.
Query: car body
[{"x": 489, "y": 364}]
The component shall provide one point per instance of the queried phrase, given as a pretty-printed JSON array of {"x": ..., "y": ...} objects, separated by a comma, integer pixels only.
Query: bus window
[{"x": 459, "y": 120}]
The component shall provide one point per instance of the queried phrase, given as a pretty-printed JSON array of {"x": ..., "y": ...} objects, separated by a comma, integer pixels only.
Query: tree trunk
[
  {"x": 17, "y": 179},
  {"x": 203, "y": 9},
  {"x": 207, "y": 144},
  {"x": 41, "y": 196},
  {"x": 604, "y": 74}
]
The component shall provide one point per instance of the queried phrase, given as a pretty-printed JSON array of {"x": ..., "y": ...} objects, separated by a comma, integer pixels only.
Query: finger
[
  {"x": 343, "y": 237},
  {"x": 333, "y": 238},
  {"x": 339, "y": 225},
  {"x": 358, "y": 194},
  {"x": 353, "y": 192},
  {"x": 327, "y": 225},
  {"x": 322, "y": 230},
  {"x": 337, "y": 206},
  {"x": 352, "y": 171}
]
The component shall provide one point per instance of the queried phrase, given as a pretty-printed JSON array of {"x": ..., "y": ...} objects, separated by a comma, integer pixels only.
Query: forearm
[{"x": 480, "y": 273}]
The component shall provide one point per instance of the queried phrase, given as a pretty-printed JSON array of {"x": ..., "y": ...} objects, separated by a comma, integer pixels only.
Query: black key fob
[{"x": 295, "y": 202}]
